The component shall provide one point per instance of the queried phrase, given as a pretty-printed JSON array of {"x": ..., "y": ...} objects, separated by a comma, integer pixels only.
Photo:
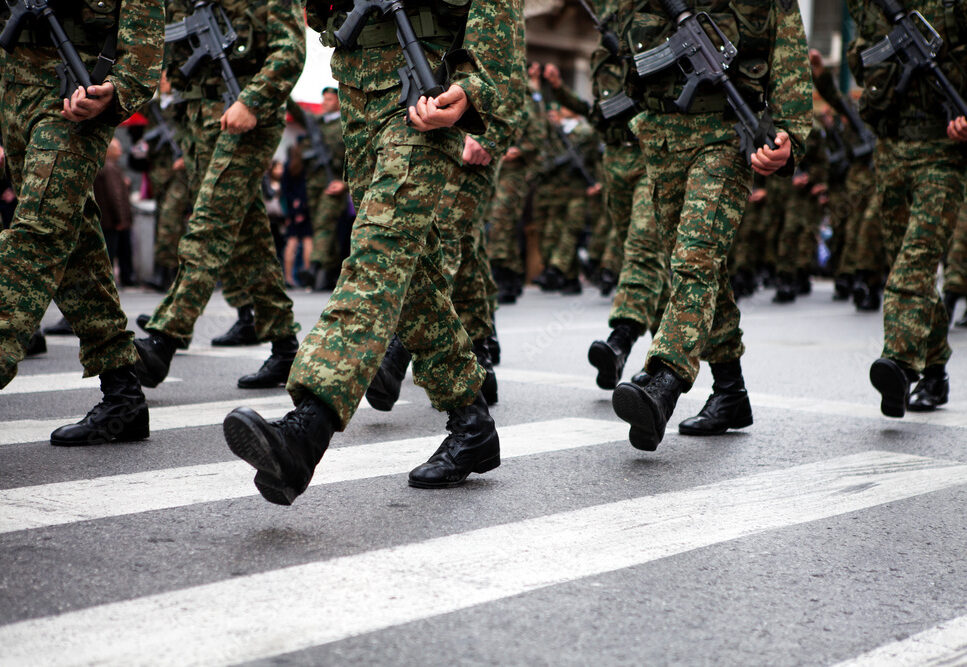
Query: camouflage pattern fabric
[
  {"x": 955, "y": 272},
  {"x": 172, "y": 208},
  {"x": 54, "y": 249},
  {"x": 858, "y": 197},
  {"x": 921, "y": 189},
  {"x": 228, "y": 232},
  {"x": 326, "y": 210},
  {"x": 394, "y": 279},
  {"x": 699, "y": 197},
  {"x": 796, "y": 242},
  {"x": 643, "y": 283},
  {"x": 701, "y": 186}
]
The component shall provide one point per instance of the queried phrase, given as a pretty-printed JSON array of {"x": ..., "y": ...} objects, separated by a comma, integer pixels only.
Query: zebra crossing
[{"x": 577, "y": 550}]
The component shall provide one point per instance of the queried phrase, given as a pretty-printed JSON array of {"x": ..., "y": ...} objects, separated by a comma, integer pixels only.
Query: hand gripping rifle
[
  {"x": 209, "y": 36},
  {"x": 702, "y": 61},
  {"x": 915, "y": 44},
  {"x": 72, "y": 72},
  {"x": 417, "y": 77},
  {"x": 162, "y": 134}
]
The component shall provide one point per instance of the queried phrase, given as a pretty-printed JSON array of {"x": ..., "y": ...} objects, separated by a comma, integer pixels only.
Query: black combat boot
[
  {"x": 142, "y": 322},
  {"x": 489, "y": 386},
  {"x": 384, "y": 390},
  {"x": 648, "y": 408},
  {"x": 786, "y": 289},
  {"x": 472, "y": 446},
  {"x": 240, "y": 333},
  {"x": 286, "y": 451},
  {"x": 308, "y": 276},
  {"x": 607, "y": 281},
  {"x": 804, "y": 285},
  {"x": 121, "y": 416},
  {"x": 609, "y": 356},
  {"x": 842, "y": 287},
  {"x": 275, "y": 370},
  {"x": 727, "y": 407},
  {"x": 950, "y": 300},
  {"x": 551, "y": 280},
  {"x": 571, "y": 287},
  {"x": 60, "y": 328},
  {"x": 155, "y": 354},
  {"x": 868, "y": 298},
  {"x": 36, "y": 345},
  {"x": 932, "y": 390},
  {"x": 508, "y": 285},
  {"x": 493, "y": 347},
  {"x": 892, "y": 380}
]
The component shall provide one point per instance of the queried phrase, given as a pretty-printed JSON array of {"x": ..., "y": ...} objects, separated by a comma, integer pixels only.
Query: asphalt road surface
[{"x": 822, "y": 534}]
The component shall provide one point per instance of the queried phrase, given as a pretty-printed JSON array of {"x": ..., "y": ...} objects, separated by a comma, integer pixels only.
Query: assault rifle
[
  {"x": 914, "y": 44},
  {"x": 417, "y": 77},
  {"x": 609, "y": 40},
  {"x": 839, "y": 159},
  {"x": 162, "y": 134},
  {"x": 867, "y": 145},
  {"x": 210, "y": 36},
  {"x": 570, "y": 157},
  {"x": 72, "y": 72},
  {"x": 318, "y": 156},
  {"x": 702, "y": 61}
]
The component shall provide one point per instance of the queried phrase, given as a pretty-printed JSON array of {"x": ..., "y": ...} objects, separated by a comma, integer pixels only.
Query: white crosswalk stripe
[
  {"x": 53, "y": 504},
  {"x": 241, "y": 619},
  {"x": 942, "y": 646},
  {"x": 162, "y": 419},
  {"x": 43, "y": 382}
]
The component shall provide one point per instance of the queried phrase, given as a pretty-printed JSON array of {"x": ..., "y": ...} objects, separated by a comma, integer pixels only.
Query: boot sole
[
  {"x": 602, "y": 357},
  {"x": 892, "y": 386},
  {"x": 246, "y": 440},
  {"x": 149, "y": 375},
  {"x": 632, "y": 407},
  {"x": 135, "y": 431},
  {"x": 741, "y": 422},
  {"x": 480, "y": 468}
]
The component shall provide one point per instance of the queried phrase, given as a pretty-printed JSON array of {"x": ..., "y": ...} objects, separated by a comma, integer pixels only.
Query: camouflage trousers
[
  {"x": 746, "y": 253},
  {"x": 921, "y": 188},
  {"x": 955, "y": 273},
  {"x": 859, "y": 195},
  {"x": 505, "y": 215},
  {"x": 173, "y": 200},
  {"x": 623, "y": 167},
  {"x": 54, "y": 248},
  {"x": 564, "y": 208},
  {"x": 796, "y": 244},
  {"x": 228, "y": 232},
  {"x": 600, "y": 223},
  {"x": 465, "y": 261},
  {"x": 394, "y": 279},
  {"x": 643, "y": 283},
  {"x": 326, "y": 210},
  {"x": 698, "y": 200}
]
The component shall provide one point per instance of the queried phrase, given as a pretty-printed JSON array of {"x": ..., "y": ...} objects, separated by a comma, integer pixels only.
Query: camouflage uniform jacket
[
  {"x": 137, "y": 67},
  {"x": 488, "y": 30},
  {"x": 919, "y": 113},
  {"x": 782, "y": 75},
  {"x": 267, "y": 58}
]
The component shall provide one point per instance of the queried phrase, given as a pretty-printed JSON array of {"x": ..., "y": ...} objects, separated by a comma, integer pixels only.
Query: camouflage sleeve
[
  {"x": 269, "y": 88},
  {"x": 489, "y": 42},
  {"x": 568, "y": 99},
  {"x": 790, "y": 82},
  {"x": 504, "y": 125},
  {"x": 137, "y": 68}
]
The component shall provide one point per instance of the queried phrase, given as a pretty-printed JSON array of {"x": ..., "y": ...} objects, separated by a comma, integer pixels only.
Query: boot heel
[
  {"x": 487, "y": 464},
  {"x": 137, "y": 429}
]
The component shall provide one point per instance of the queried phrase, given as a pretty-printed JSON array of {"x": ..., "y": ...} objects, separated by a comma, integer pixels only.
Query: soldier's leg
[
  {"x": 564, "y": 248},
  {"x": 955, "y": 271},
  {"x": 394, "y": 254},
  {"x": 225, "y": 204},
  {"x": 914, "y": 318},
  {"x": 505, "y": 213},
  {"x": 701, "y": 317}
]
